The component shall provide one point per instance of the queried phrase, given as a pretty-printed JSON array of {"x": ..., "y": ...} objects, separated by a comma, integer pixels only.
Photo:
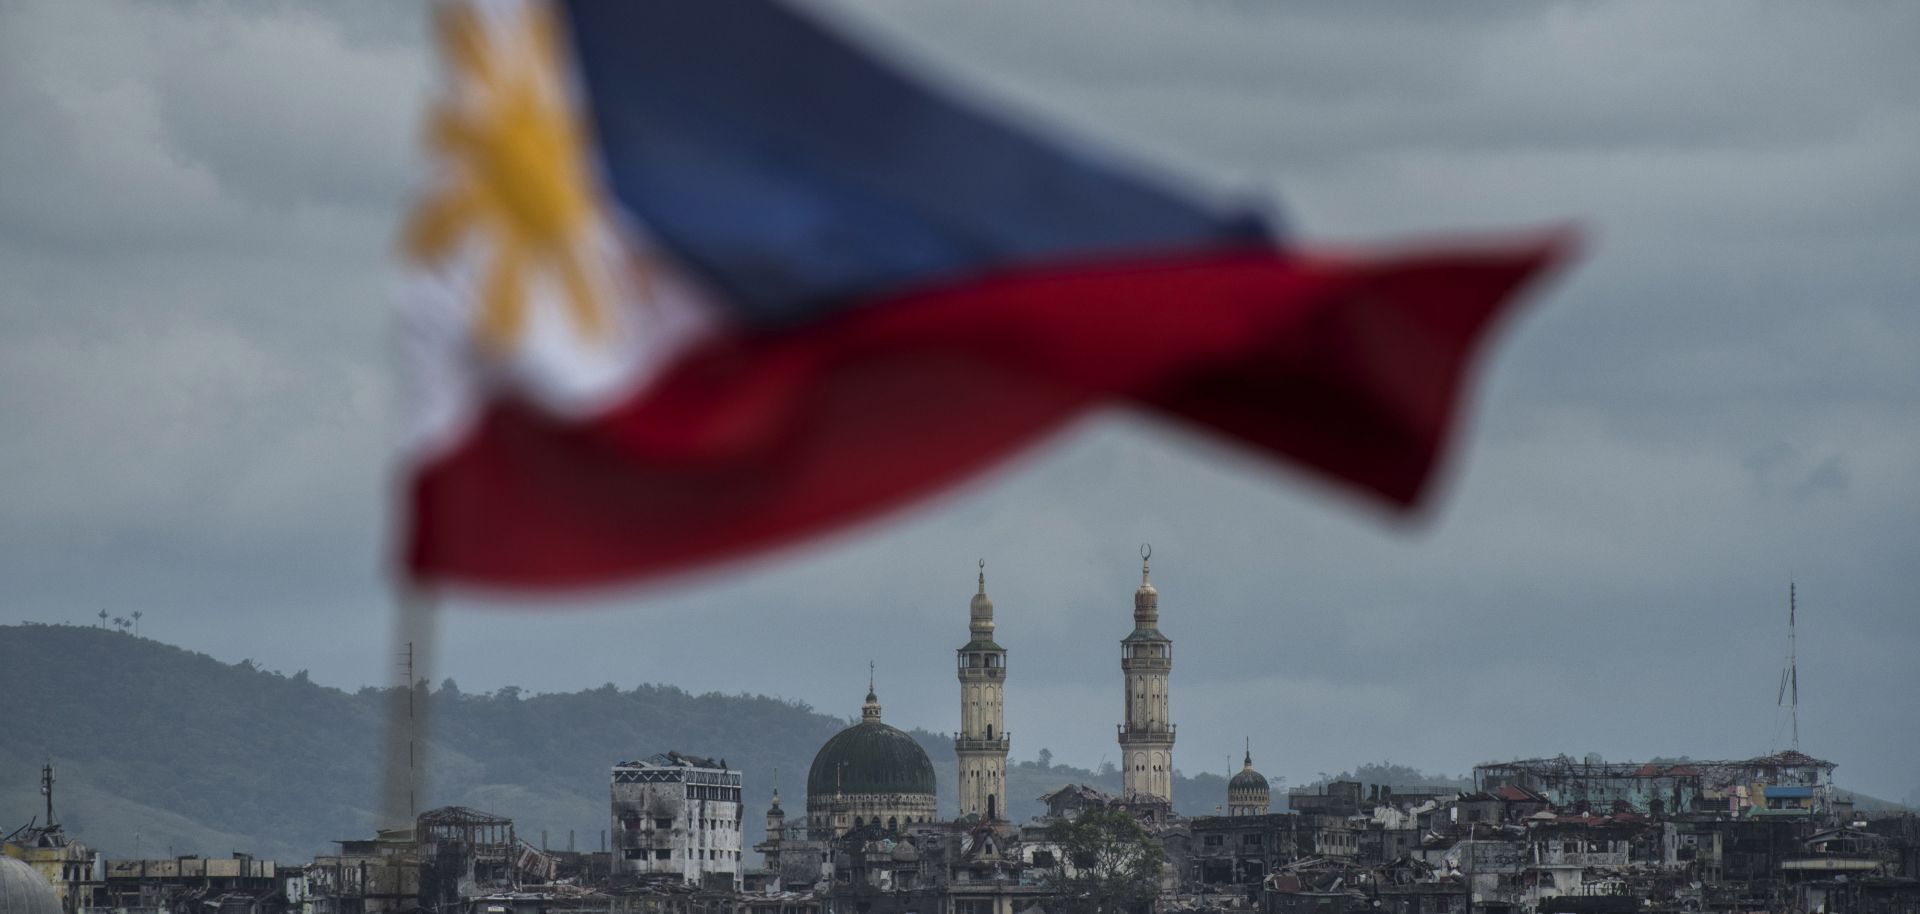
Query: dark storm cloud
[{"x": 194, "y": 383}]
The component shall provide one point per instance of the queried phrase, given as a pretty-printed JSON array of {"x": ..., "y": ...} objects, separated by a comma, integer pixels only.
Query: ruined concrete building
[
  {"x": 1786, "y": 783},
  {"x": 678, "y": 815},
  {"x": 463, "y": 853},
  {"x": 238, "y": 884},
  {"x": 367, "y": 876}
]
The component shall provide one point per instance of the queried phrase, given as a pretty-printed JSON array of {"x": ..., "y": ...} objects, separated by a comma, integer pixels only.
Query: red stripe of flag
[{"x": 1351, "y": 367}]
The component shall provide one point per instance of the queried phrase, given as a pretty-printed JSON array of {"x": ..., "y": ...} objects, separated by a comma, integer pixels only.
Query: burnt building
[
  {"x": 678, "y": 816},
  {"x": 1334, "y": 798},
  {"x": 238, "y": 884},
  {"x": 463, "y": 853},
  {"x": 1240, "y": 850},
  {"x": 1788, "y": 783},
  {"x": 366, "y": 876}
]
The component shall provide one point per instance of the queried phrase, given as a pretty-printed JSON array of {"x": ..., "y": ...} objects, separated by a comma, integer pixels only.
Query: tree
[
  {"x": 1046, "y": 759},
  {"x": 1107, "y": 864}
]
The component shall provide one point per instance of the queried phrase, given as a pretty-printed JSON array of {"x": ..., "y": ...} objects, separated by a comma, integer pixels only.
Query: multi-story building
[
  {"x": 464, "y": 852},
  {"x": 678, "y": 815},
  {"x": 1788, "y": 783},
  {"x": 368, "y": 876},
  {"x": 235, "y": 883}
]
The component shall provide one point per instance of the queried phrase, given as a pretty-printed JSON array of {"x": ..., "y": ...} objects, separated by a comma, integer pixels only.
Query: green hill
[{"x": 162, "y": 750}]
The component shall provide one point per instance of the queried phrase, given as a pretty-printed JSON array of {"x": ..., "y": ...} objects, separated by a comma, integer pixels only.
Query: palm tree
[
  {"x": 121, "y": 623},
  {"x": 103, "y": 618},
  {"x": 136, "y": 621}
]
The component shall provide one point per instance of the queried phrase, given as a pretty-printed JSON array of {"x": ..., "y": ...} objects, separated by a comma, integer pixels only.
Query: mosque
[{"x": 873, "y": 774}]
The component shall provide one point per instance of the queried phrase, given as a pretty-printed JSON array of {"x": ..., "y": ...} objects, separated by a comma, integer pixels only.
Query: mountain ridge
[{"x": 161, "y": 749}]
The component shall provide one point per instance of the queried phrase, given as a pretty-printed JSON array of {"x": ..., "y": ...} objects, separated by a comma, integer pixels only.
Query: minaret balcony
[
  {"x": 1149, "y": 734},
  {"x": 997, "y": 744}
]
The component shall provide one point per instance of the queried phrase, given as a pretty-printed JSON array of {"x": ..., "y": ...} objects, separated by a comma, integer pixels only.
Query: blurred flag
[{"x": 696, "y": 279}]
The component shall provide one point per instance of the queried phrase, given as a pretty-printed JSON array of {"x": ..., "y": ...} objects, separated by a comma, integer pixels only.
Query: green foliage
[{"x": 1108, "y": 864}]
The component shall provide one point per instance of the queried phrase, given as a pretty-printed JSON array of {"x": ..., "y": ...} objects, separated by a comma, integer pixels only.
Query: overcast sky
[{"x": 197, "y": 412}]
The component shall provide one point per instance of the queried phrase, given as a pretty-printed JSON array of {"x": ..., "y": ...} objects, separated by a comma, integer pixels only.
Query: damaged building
[
  {"x": 678, "y": 816},
  {"x": 1784, "y": 783}
]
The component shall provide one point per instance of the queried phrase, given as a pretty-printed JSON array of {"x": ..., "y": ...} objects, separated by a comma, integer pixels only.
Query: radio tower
[{"x": 1790, "y": 677}]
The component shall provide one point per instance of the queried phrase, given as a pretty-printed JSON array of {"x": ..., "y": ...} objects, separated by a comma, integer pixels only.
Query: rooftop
[{"x": 673, "y": 759}]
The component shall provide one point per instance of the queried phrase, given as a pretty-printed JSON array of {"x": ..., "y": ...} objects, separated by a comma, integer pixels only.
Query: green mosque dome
[
  {"x": 870, "y": 757},
  {"x": 1249, "y": 780}
]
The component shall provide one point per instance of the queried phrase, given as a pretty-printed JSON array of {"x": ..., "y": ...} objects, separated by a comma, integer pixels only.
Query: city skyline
[{"x": 199, "y": 419}]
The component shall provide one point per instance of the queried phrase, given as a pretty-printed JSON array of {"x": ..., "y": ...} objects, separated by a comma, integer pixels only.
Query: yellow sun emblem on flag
[{"x": 516, "y": 174}]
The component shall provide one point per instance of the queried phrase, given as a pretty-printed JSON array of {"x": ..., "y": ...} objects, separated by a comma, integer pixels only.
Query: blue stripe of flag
[{"x": 798, "y": 173}]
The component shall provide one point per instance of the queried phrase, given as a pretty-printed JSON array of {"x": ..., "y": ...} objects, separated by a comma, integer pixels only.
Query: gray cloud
[{"x": 197, "y": 402}]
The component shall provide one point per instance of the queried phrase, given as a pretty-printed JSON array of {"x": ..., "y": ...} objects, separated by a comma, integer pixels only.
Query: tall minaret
[
  {"x": 981, "y": 743},
  {"x": 776, "y": 818},
  {"x": 1146, "y": 657},
  {"x": 775, "y": 842}
]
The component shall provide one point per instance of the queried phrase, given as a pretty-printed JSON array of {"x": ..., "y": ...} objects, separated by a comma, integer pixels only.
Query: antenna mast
[
  {"x": 46, "y": 788},
  {"x": 413, "y": 733},
  {"x": 1790, "y": 677}
]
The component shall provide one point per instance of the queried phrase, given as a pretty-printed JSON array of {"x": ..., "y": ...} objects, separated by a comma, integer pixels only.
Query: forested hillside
[{"x": 165, "y": 750}]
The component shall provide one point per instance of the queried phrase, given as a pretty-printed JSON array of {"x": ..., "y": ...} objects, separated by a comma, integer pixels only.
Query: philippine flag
[{"x": 696, "y": 279}]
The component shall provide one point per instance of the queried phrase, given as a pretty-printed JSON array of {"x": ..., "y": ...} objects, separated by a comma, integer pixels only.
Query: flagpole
[{"x": 404, "y": 755}]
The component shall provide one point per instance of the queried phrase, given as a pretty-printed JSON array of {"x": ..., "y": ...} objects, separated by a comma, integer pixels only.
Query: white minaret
[
  {"x": 1146, "y": 657},
  {"x": 981, "y": 744}
]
